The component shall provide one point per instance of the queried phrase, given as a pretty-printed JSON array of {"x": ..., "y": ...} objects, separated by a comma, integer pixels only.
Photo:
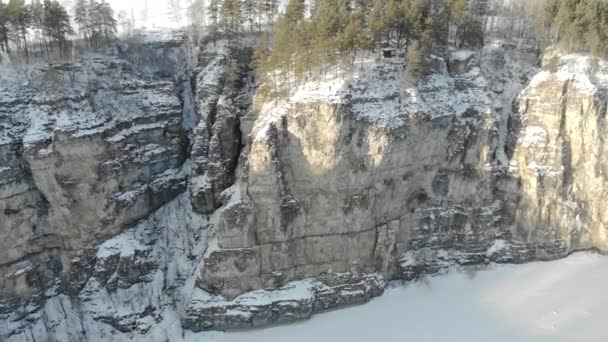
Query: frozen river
[{"x": 565, "y": 300}]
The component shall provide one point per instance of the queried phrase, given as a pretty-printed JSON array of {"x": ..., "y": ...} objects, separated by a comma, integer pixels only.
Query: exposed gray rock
[
  {"x": 351, "y": 181},
  {"x": 112, "y": 171},
  {"x": 295, "y": 301},
  {"x": 222, "y": 98}
]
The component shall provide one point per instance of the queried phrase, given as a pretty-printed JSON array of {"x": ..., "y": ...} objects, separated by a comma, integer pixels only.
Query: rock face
[
  {"x": 222, "y": 98},
  {"x": 453, "y": 176},
  {"x": 151, "y": 192},
  {"x": 370, "y": 178},
  {"x": 102, "y": 166},
  {"x": 96, "y": 149},
  {"x": 291, "y": 303},
  {"x": 558, "y": 156}
]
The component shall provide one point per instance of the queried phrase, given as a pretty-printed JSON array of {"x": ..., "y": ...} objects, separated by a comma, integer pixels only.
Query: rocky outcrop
[
  {"x": 223, "y": 89},
  {"x": 293, "y": 302},
  {"x": 147, "y": 193},
  {"x": 558, "y": 158},
  {"x": 355, "y": 182},
  {"x": 475, "y": 164},
  {"x": 99, "y": 159},
  {"x": 95, "y": 149}
]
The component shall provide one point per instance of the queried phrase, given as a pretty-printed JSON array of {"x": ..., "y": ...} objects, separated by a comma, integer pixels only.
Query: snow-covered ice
[{"x": 555, "y": 301}]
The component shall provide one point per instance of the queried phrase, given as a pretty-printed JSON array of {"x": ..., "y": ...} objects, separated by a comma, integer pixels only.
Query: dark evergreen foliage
[{"x": 48, "y": 26}]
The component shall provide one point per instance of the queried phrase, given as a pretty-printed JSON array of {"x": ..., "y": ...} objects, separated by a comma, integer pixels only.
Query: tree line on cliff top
[
  {"x": 311, "y": 35},
  {"x": 305, "y": 35},
  {"x": 43, "y": 27}
]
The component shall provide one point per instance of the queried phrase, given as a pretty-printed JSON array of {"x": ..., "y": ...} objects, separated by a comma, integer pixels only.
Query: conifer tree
[
  {"x": 175, "y": 10},
  {"x": 21, "y": 20},
  {"x": 82, "y": 18},
  {"x": 4, "y": 27},
  {"x": 472, "y": 33},
  {"x": 231, "y": 17},
  {"x": 214, "y": 10},
  {"x": 269, "y": 8},
  {"x": 250, "y": 12},
  {"x": 353, "y": 38},
  {"x": 57, "y": 23},
  {"x": 37, "y": 13},
  {"x": 418, "y": 57},
  {"x": 377, "y": 24},
  {"x": 196, "y": 14},
  {"x": 101, "y": 20}
]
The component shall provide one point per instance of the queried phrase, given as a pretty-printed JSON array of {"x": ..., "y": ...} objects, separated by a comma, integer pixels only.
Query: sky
[{"x": 159, "y": 12}]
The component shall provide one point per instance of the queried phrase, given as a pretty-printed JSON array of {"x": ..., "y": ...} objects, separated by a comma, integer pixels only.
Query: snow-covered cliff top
[
  {"x": 382, "y": 92},
  {"x": 82, "y": 98},
  {"x": 588, "y": 74}
]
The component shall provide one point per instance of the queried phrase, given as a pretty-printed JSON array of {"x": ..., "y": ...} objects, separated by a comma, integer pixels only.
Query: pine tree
[
  {"x": 472, "y": 35},
  {"x": 37, "y": 13},
  {"x": 175, "y": 10},
  {"x": 250, "y": 12},
  {"x": 57, "y": 23},
  {"x": 82, "y": 18},
  {"x": 196, "y": 15},
  {"x": 436, "y": 24},
  {"x": 269, "y": 8},
  {"x": 418, "y": 57},
  {"x": 353, "y": 38},
  {"x": 214, "y": 10},
  {"x": 126, "y": 23},
  {"x": 287, "y": 40},
  {"x": 102, "y": 21},
  {"x": 377, "y": 24},
  {"x": 108, "y": 22},
  {"x": 231, "y": 17},
  {"x": 457, "y": 13},
  {"x": 4, "y": 27},
  {"x": 397, "y": 22},
  {"x": 21, "y": 20}
]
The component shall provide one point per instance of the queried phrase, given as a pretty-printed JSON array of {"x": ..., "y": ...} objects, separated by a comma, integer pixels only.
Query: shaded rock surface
[{"x": 87, "y": 149}]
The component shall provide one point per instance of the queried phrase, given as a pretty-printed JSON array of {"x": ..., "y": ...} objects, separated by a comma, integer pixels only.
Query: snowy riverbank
[{"x": 556, "y": 301}]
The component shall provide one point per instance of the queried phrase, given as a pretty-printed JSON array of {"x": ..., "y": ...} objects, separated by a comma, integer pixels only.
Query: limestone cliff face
[
  {"x": 102, "y": 163},
  {"x": 559, "y": 158},
  {"x": 461, "y": 170},
  {"x": 151, "y": 192},
  {"x": 95, "y": 148},
  {"x": 355, "y": 183},
  {"x": 221, "y": 99}
]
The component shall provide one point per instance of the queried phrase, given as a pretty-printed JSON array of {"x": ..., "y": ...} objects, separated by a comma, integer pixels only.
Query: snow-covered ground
[{"x": 564, "y": 300}]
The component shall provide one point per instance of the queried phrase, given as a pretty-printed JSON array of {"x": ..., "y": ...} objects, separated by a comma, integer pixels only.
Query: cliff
[{"x": 153, "y": 192}]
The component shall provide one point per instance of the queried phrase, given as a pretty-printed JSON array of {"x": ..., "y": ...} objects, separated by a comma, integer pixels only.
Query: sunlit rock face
[
  {"x": 376, "y": 176},
  {"x": 484, "y": 161},
  {"x": 559, "y": 160}
]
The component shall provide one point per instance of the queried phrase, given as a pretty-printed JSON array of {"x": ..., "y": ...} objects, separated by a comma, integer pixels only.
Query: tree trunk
[{"x": 24, "y": 33}]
